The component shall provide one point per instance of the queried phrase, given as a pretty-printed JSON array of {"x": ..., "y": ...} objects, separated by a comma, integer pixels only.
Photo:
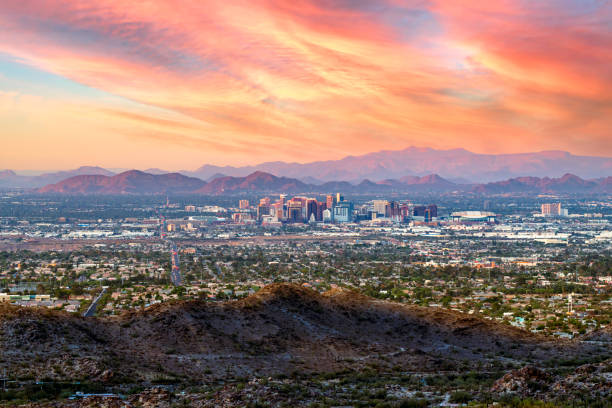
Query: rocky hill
[
  {"x": 130, "y": 182},
  {"x": 10, "y": 179},
  {"x": 282, "y": 330},
  {"x": 257, "y": 181},
  {"x": 568, "y": 183}
]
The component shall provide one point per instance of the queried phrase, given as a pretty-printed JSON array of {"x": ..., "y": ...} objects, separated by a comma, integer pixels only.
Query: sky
[{"x": 175, "y": 84}]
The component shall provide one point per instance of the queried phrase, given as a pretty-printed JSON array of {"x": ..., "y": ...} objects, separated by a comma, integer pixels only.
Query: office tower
[
  {"x": 419, "y": 211},
  {"x": 393, "y": 211},
  {"x": 433, "y": 210},
  {"x": 277, "y": 210},
  {"x": 263, "y": 209},
  {"x": 343, "y": 212},
  {"x": 294, "y": 211},
  {"x": 311, "y": 208},
  {"x": 243, "y": 204},
  {"x": 551, "y": 209},
  {"x": 405, "y": 211},
  {"x": 380, "y": 207},
  {"x": 330, "y": 202},
  {"x": 320, "y": 208}
]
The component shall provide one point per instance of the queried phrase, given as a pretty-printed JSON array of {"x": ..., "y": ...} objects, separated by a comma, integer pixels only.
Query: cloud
[{"x": 317, "y": 79}]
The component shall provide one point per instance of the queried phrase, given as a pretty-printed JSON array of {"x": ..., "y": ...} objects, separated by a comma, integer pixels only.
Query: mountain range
[
  {"x": 455, "y": 165},
  {"x": 129, "y": 182},
  {"x": 458, "y": 166},
  {"x": 10, "y": 179},
  {"x": 138, "y": 182},
  {"x": 568, "y": 183}
]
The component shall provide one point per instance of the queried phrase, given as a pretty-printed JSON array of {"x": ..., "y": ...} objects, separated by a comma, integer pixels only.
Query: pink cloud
[{"x": 343, "y": 77}]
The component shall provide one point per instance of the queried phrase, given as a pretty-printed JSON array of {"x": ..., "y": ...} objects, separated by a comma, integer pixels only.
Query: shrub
[{"x": 460, "y": 397}]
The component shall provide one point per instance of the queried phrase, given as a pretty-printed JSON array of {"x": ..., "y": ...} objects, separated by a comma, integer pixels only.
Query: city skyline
[{"x": 176, "y": 86}]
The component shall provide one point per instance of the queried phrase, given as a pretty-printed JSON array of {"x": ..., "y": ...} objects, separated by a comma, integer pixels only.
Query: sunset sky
[{"x": 177, "y": 84}]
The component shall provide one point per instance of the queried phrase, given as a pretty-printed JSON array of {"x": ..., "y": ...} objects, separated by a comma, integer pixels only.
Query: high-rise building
[
  {"x": 263, "y": 209},
  {"x": 339, "y": 198},
  {"x": 311, "y": 208},
  {"x": 428, "y": 216},
  {"x": 330, "y": 202},
  {"x": 294, "y": 211},
  {"x": 380, "y": 207},
  {"x": 552, "y": 209},
  {"x": 277, "y": 210},
  {"x": 243, "y": 204},
  {"x": 320, "y": 208},
  {"x": 419, "y": 211},
  {"x": 393, "y": 211},
  {"x": 343, "y": 212}
]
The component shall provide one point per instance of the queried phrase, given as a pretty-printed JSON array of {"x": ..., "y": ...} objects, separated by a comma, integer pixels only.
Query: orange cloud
[{"x": 317, "y": 79}]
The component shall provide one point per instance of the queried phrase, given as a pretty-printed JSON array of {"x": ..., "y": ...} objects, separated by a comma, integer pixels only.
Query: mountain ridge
[
  {"x": 420, "y": 161},
  {"x": 129, "y": 182},
  {"x": 335, "y": 330},
  {"x": 138, "y": 182},
  {"x": 456, "y": 165},
  {"x": 10, "y": 179}
]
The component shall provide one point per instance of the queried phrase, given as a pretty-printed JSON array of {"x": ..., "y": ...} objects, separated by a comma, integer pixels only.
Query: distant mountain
[
  {"x": 332, "y": 186},
  {"x": 310, "y": 180},
  {"x": 431, "y": 182},
  {"x": 7, "y": 174},
  {"x": 215, "y": 176},
  {"x": 568, "y": 183},
  {"x": 10, "y": 179},
  {"x": 604, "y": 185},
  {"x": 450, "y": 164},
  {"x": 408, "y": 166},
  {"x": 266, "y": 182},
  {"x": 83, "y": 170},
  {"x": 138, "y": 182},
  {"x": 129, "y": 182},
  {"x": 257, "y": 181},
  {"x": 156, "y": 171}
]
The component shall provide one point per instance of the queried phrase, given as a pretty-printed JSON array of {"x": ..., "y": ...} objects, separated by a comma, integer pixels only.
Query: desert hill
[
  {"x": 280, "y": 329},
  {"x": 283, "y": 331}
]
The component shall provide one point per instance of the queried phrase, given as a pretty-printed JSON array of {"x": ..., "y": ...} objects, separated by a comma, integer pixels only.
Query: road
[
  {"x": 92, "y": 308},
  {"x": 175, "y": 274}
]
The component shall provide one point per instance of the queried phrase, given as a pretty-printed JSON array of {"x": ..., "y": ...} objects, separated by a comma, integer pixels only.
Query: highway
[
  {"x": 175, "y": 273},
  {"x": 91, "y": 310}
]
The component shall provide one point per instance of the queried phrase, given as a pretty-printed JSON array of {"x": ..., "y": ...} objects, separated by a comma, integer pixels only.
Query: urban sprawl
[{"x": 542, "y": 264}]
